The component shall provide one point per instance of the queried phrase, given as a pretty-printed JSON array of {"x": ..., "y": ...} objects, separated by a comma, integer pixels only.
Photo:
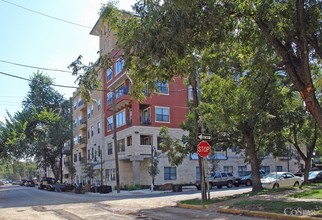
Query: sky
[{"x": 48, "y": 34}]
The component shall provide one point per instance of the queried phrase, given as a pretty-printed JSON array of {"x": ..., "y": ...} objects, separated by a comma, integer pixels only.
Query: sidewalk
[{"x": 139, "y": 192}]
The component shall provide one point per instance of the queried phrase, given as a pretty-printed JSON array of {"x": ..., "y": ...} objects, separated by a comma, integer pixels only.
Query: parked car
[
  {"x": 220, "y": 179},
  {"x": 314, "y": 177},
  {"x": 30, "y": 183},
  {"x": 280, "y": 179},
  {"x": 247, "y": 179},
  {"x": 16, "y": 182},
  {"x": 45, "y": 183}
]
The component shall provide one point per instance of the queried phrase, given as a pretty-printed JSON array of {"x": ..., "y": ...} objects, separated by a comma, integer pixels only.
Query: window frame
[{"x": 162, "y": 108}]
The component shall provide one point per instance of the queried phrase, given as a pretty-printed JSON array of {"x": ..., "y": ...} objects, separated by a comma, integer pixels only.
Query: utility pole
[{"x": 115, "y": 145}]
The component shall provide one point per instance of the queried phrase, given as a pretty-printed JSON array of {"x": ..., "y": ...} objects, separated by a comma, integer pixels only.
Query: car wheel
[
  {"x": 296, "y": 184},
  {"x": 276, "y": 186},
  {"x": 219, "y": 187},
  {"x": 248, "y": 183},
  {"x": 229, "y": 184}
]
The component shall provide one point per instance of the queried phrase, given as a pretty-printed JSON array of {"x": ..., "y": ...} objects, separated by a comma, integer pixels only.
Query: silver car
[{"x": 280, "y": 179}]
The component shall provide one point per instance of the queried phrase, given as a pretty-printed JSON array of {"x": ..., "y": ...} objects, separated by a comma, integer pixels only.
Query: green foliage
[{"x": 176, "y": 152}]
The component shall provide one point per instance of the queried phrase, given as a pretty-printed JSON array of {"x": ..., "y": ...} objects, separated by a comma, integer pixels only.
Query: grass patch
[
  {"x": 276, "y": 206},
  {"x": 199, "y": 202},
  {"x": 308, "y": 194}
]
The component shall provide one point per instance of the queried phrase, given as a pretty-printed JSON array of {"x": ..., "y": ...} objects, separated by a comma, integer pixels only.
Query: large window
[
  {"x": 162, "y": 114},
  {"x": 98, "y": 105},
  {"x": 242, "y": 170},
  {"x": 120, "y": 119},
  {"x": 119, "y": 65},
  {"x": 110, "y": 174},
  {"x": 170, "y": 173},
  {"x": 163, "y": 87},
  {"x": 109, "y": 98},
  {"x": 109, "y": 149},
  {"x": 110, "y": 123},
  {"x": 98, "y": 127},
  {"x": 229, "y": 169},
  {"x": 266, "y": 169},
  {"x": 121, "y": 145},
  {"x": 109, "y": 74}
]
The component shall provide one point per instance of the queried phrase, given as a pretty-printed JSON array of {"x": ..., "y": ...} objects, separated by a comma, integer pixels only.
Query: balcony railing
[{"x": 146, "y": 121}]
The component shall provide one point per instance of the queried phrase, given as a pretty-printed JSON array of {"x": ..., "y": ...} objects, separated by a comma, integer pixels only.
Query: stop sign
[{"x": 203, "y": 148}]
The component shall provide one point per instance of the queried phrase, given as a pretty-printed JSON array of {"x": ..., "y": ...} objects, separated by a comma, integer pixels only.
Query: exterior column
[{"x": 136, "y": 171}]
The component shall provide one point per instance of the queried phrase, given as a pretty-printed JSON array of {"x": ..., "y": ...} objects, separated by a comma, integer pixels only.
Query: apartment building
[{"x": 137, "y": 130}]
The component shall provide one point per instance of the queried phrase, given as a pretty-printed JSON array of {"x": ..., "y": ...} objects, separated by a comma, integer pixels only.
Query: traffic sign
[
  {"x": 203, "y": 149},
  {"x": 204, "y": 137}
]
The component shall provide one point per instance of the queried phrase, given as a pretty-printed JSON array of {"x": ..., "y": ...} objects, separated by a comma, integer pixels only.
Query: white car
[{"x": 280, "y": 179}]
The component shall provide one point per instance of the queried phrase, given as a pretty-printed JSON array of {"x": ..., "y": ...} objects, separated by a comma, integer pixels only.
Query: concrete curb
[{"x": 264, "y": 214}]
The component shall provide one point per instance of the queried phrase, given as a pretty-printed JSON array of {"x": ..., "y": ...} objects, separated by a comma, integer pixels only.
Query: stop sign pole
[{"x": 203, "y": 150}]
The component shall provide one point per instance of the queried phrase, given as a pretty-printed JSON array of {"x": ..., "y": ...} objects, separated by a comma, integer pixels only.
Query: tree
[{"x": 153, "y": 169}]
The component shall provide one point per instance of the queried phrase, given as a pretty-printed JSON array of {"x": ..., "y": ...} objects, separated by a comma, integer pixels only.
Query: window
[
  {"x": 145, "y": 140},
  {"x": 228, "y": 169},
  {"x": 242, "y": 170},
  {"x": 79, "y": 156},
  {"x": 266, "y": 169},
  {"x": 159, "y": 141},
  {"x": 88, "y": 113},
  {"x": 98, "y": 127},
  {"x": 92, "y": 153},
  {"x": 279, "y": 168},
  {"x": 129, "y": 141},
  {"x": 80, "y": 121},
  {"x": 92, "y": 109},
  {"x": 162, "y": 114},
  {"x": 120, "y": 119},
  {"x": 99, "y": 150},
  {"x": 197, "y": 173},
  {"x": 233, "y": 149},
  {"x": 88, "y": 134},
  {"x": 121, "y": 145},
  {"x": 75, "y": 106},
  {"x": 163, "y": 88},
  {"x": 170, "y": 173},
  {"x": 88, "y": 154},
  {"x": 92, "y": 130},
  {"x": 75, "y": 157},
  {"x": 110, "y": 174},
  {"x": 80, "y": 102},
  {"x": 98, "y": 105},
  {"x": 110, "y": 123},
  {"x": 109, "y": 149},
  {"x": 119, "y": 65},
  {"x": 109, "y": 98},
  {"x": 120, "y": 91}
]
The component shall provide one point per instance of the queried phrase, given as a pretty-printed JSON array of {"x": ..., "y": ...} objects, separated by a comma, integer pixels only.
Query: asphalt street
[{"x": 18, "y": 202}]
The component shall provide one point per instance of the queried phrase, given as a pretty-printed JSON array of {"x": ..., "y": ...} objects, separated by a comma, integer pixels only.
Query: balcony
[
  {"x": 146, "y": 122},
  {"x": 82, "y": 124},
  {"x": 66, "y": 150}
]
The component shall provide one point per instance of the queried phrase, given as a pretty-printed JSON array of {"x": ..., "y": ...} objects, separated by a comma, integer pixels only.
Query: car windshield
[
  {"x": 272, "y": 176},
  {"x": 312, "y": 174}
]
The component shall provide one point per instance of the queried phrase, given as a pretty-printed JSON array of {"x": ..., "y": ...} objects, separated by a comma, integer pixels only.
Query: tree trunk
[{"x": 254, "y": 161}]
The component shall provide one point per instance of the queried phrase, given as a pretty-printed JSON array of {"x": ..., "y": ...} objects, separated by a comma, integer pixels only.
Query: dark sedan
[{"x": 314, "y": 177}]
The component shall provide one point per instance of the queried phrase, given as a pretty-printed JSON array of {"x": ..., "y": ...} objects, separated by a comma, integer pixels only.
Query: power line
[
  {"x": 29, "y": 80},
  {"x": 35, "y": 67},
  {"x": 75, "y": 87},
  {"x": 46, "y": 15}
]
